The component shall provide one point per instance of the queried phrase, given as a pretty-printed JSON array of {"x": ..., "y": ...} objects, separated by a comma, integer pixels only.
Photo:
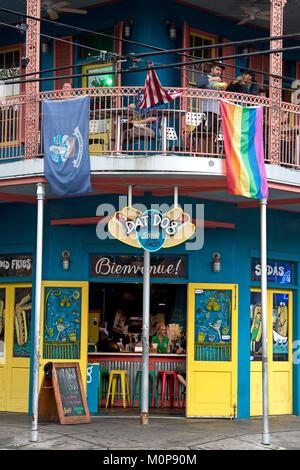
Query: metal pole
[
  {"x": 40, "y": 195},
  {"x": 175, "y": 196},
  {"x": 264, "y": 308},
  {"x": 129, "y": 201},
  {"x": 146, "y": 310}
]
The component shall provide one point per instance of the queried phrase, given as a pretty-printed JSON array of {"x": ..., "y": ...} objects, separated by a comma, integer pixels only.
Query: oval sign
[{"x": 149, "y": 230}]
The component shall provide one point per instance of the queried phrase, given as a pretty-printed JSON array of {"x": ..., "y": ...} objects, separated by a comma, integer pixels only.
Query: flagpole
[
  {"x": 266, "y": 440},
  {"x": 40, "y": 195}
]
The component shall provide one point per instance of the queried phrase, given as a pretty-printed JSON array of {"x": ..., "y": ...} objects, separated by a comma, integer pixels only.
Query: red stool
[{"x": 168, "y": 377}]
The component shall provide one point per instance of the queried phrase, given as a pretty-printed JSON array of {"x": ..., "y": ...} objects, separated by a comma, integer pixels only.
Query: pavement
[{"x": 124, "y": 432}]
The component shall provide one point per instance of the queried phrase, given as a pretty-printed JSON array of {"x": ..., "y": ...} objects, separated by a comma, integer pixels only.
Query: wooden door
[{"x": 212, "y": 350}]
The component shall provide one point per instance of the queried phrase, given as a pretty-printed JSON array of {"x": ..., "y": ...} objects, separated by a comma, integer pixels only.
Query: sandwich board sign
[
  {"x": 151, "y": 230},
  {"x": 62, "y": 397}
]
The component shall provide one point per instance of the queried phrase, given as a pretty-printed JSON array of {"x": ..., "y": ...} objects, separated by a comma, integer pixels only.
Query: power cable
[
  {"x": 163, "y": 66},
  {"x": 158, "y": 50}
]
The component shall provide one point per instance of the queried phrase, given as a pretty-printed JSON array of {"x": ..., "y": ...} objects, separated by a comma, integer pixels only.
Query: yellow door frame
[
  {"x": 206, "y": 380},
  {"x": 84, "y": 286},
  {"x": 15, "y": 371},
  {"x": 274, "y": 367}
]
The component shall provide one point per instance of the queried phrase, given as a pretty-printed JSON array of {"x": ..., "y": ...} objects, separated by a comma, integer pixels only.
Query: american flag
[{"x": 154, "y": 93}]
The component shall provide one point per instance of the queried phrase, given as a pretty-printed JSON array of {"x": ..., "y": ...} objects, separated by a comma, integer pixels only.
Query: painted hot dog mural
[{"x": 151, "y": 230}]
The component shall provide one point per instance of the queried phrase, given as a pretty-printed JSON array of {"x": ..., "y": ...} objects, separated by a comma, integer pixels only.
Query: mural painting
[{"x": 62, "y": 323}]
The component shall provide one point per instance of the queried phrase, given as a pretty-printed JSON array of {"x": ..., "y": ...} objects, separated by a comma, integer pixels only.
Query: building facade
[{"x": 217, "y": 307}]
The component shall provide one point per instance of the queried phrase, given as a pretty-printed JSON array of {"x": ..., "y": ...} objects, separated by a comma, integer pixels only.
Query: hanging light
[
  {"x": 65, "y": 260},
  {"x": 172, "y": 30},
  {"x": 127, "y": 28},
  {"x": 216, "y": 262}
]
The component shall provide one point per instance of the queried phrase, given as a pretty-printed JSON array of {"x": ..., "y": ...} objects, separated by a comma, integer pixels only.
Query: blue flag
[{"x": 66, "y": 145}]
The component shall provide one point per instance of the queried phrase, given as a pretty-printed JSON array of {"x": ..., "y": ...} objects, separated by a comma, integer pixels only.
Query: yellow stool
[{"x": 111, "y": 391}]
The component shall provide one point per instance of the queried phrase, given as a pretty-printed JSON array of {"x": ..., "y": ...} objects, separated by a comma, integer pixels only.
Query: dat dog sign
[{"x": 151, "y": 230}]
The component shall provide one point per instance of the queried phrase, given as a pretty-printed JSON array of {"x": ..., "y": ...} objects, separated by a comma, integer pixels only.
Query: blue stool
[
  {"x": 137, "y": 391},
  {"x": 103, "y": 374}
]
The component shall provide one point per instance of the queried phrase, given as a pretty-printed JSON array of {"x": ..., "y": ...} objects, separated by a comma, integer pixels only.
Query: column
[
  {"x": 32, "y": 88},
  {"x": 276, "y": 29}
]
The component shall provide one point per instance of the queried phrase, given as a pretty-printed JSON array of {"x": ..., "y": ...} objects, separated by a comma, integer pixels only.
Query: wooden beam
[
  {"x": 22, "y": 181},
  {"x": 11, "y": 197},
  {"x": 210, "y": 224}
]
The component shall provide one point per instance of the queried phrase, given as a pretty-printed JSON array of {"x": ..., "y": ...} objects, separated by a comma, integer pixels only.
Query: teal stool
[
  {"x": 137, "y": 391},
  {"x": 103, "y": 374}
]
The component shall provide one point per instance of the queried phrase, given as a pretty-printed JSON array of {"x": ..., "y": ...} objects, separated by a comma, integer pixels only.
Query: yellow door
[
  {"x": 280, "y": 375},
  {"x": 16, "y": 306},
  {"x": 64, "y": 324},
  {"x": 212, "y": 350},
  {"x": 3, "y": 346}
]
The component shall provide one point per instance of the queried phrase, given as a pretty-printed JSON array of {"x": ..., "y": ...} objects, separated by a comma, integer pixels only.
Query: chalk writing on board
[{"x": 70, "y": 391}]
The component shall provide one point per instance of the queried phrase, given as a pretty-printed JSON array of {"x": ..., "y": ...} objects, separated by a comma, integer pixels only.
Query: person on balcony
[
  {"x": 142, "y": 122},
  {"x": 211, "y": 80},
  {"x": 245, "y": 83}
]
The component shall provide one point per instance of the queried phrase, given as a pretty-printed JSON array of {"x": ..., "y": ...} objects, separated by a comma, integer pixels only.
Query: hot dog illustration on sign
[{"x": 151, "y": 230}]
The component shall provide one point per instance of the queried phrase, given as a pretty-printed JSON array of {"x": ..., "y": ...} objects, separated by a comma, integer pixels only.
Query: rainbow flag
[{"x": 244, "y": 150}]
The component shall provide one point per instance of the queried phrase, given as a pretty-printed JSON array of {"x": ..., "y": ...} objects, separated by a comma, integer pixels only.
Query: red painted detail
[
  {"x": 105, "y": 219},
  {"x": 22, "y": 181},
  {"x": 185, "y": 43},
  {"x": 81, "y": 221},
  {"x": 118, "y": 33},
  {"x": 63, "y": 55},
  {"x": 10, "y": 197},
  {"x": 229, "y": 72}
]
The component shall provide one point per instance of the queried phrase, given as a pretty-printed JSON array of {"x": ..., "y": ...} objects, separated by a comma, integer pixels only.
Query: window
[
  {"x": 9, "y": 68},
  {"x": 196, "y": 40}
]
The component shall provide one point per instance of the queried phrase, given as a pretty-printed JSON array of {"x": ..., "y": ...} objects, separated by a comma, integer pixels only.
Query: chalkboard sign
[{"x": 67, "y": 392}]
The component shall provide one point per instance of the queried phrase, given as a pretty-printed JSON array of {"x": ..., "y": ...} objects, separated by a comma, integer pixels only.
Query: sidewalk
[{"x": 126, "y": 433}]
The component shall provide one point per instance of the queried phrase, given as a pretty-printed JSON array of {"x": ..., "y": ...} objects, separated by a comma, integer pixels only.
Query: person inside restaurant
[{"x": 160, "y": 342}]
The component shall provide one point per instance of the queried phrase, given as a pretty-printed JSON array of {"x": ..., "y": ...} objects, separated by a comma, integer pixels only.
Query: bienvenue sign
[
  {"x": 279, "y": 272},
  {"x": 15, "y": 265},
  {"x": 132, "y": 266}
]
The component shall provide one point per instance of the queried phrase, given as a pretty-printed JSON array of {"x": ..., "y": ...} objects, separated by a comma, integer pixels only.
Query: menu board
[
  {"x": 70, "y": 392},
  {"x": 67, "y": 393}
]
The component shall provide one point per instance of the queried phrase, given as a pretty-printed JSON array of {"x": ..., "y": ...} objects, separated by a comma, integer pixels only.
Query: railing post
[
  {"x": 32, "y": 89},
  {"x": 276, "y": 29}
]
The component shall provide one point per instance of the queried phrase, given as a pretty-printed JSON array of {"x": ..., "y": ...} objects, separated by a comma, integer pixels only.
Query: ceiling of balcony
[{"x": 234, "y": 9}]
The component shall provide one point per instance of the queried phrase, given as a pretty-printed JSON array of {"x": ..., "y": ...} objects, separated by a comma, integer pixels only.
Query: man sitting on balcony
[
  {"x": 211, "y": 107},
  {"x": 245, "y": 83},
  {"x": 141, "y": 122}
]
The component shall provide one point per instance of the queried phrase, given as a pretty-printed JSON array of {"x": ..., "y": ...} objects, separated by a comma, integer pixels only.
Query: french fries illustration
[{"x": 21, "y": 320}]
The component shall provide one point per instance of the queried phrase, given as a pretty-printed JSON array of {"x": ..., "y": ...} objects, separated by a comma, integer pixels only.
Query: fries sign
[{"x": 151, "y": 230}]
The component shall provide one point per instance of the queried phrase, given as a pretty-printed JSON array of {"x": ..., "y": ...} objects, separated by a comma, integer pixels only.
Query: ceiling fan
[
  {"x": 53, "y": 9},
  {"x": 252, "y": 13}
]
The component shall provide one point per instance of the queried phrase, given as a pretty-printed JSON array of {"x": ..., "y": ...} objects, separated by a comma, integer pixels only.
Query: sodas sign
[{"x": 151, "y": 230}]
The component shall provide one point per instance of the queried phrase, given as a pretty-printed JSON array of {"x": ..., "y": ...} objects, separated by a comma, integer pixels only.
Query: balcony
[{"x": 184, "y": 128}]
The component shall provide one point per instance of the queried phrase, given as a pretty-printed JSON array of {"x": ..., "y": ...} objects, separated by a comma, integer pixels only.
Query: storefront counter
[{"x": 132, "y": 362}]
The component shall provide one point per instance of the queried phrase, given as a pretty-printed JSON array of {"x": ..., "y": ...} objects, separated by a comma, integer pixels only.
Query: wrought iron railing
[{"x": 189, "y": 126}]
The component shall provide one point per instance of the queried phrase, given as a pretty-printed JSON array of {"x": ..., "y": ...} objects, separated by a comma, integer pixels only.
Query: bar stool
[
  {"x": 111, "y": 391},
  {"x": 103, "y": 374},
  {"x": 137, "y": 391},
  {"x": 169, "y": 380}
]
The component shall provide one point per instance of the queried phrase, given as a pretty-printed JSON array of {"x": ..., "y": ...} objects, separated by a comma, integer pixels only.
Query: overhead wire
[
  {"x": 163, "y": 66},
  {"x": 134, "y": 56}
]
